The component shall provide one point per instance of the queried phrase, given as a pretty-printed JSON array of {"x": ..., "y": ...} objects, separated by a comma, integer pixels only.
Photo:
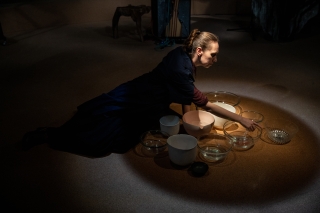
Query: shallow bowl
[
  {"x": 214, "y": 147},
  {"x": 154, "y": 141},
  {"x": 223, "y": 97},
  {"x": 252, "y": 115},
  {"x": 198, "y": 122},
  {"x": 280, "y": 130},
  {"x": 242, "y": 138}
]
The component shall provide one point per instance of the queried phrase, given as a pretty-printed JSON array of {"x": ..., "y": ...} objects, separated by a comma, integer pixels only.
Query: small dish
[
  {"x": 280, "y": 130},
  {"x": 198, "y": 169}
]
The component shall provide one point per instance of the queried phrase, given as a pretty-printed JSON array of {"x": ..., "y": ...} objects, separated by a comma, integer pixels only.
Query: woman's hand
[{"x": 249, "y": 124}]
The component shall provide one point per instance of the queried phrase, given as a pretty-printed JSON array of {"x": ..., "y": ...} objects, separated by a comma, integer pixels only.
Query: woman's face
[{"x": 207, "y": 57}]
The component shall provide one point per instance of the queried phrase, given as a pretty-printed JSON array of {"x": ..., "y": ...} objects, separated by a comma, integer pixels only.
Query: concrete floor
[{"x": 46, "y": 74}]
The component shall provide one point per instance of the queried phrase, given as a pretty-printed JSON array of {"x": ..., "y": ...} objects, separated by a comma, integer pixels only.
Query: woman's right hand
[{"x": 249, "y": 124}]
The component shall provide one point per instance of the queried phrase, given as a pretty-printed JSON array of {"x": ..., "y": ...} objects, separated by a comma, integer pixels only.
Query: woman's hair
[{"x": 198, "y": 39}]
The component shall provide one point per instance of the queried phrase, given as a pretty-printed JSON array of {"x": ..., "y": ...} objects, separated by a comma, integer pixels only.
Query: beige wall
[
  {"x": 21, "y": 17},
  {"x": 214, "y": 7}
]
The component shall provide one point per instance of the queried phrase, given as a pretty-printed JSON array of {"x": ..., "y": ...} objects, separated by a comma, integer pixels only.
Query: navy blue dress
[{"x": 114, "y": 121}]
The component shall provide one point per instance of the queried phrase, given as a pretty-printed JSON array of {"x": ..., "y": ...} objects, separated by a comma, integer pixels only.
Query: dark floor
[{"x": 46, "y": 74}]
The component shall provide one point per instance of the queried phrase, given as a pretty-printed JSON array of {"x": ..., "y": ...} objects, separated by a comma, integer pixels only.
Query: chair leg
[
  {"x": 139, "y": 27},
  {"x": 115, "y": 22},
  {"x": 2, "y": 37}
]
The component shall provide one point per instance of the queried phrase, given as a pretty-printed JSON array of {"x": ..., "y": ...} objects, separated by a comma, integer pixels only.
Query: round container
[
  {"x": 154, "y": 141},
  {"x": 170, "y": 124},
  {"x": 281, "y": 130},
  {"x": 198, "y": 122},
  {"x": 214, "y": 147},
  {"x": 223, "y": 97},
  {"x": 242, "y": 138},
  {"x": 252, "y": 115},
  {"x": 182, "y": 149},
  {"x": 219, "y": 121},
  {"x": 199, "y": 169}
]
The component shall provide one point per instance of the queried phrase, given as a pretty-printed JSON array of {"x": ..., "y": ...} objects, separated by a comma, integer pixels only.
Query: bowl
[
  {"x": 242, "y": 138},
  {"x": 223, "y": 97},
  {"x": 219, "y": 120},
  {"x": 214, "y": 147},
  {"x": 280, "y": 130},
  {"x": 252, "y": 115},
  {"x": 198, "y": 169},
  {"x": 170, "y": 124},
  {"x": 154, "y": 141},
  {"x": 198, "y": 122},
  {"x": 182, "y": 149}
]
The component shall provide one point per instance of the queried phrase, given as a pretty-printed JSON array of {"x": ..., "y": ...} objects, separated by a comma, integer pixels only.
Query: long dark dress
[{"x": 114, "y": 121}]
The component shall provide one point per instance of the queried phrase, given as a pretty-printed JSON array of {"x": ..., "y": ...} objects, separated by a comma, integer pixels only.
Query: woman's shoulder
[{"x": 178, "y": 57}]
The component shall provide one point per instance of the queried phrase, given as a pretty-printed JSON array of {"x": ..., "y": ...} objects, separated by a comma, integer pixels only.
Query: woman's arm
[
  {"x": 249, "y": 124},
  {"x": 185, "y": 108}
]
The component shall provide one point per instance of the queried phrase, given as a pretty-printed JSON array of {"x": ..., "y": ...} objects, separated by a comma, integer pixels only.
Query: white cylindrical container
[
  {"x": 182, "y": 149},
  {"x": 170, "y": 124}
]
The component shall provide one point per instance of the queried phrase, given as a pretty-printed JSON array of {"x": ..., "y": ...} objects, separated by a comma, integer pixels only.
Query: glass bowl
[
  {"x": 280, "y": 130},
  {"x": 154, "y": 141},
  {"x": 214, "y": 147},
  {"x": 242, "y": 138},
  {"x": 223, "y": 97},
  {"x": 252, "y": 115}
]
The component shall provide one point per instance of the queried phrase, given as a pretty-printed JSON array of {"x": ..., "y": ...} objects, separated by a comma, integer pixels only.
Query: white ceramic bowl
[
  {"x": 182, "y": 149},
  {"x": 219, "y": 121},
  {"x": 198, "y": 122}
]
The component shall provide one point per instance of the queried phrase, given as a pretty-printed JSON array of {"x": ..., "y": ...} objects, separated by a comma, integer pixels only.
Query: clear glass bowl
[
  {"x": 280, "y": 130},
  {"x": 242, "y": 138},
  {"x": 252, "y": 115},
  {"x": 214, "y": 147},
  {"x": 154, "y": 141},
  {"x": 223, "y": 97}
]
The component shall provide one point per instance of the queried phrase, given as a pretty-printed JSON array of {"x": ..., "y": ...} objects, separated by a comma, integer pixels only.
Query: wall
[
  {"x": 18, "y": 16},
  {"x": 216, "y": 7}
]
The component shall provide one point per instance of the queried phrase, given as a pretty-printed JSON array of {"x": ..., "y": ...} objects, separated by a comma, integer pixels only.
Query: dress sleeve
[{"x": 199, "y": 99}]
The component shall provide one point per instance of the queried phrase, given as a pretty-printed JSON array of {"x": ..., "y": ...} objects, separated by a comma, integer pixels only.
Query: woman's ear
[{"x": 199, "y": 51}]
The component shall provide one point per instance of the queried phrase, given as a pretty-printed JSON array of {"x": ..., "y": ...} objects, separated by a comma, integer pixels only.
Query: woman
[{"x": 114, "y": 121}]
